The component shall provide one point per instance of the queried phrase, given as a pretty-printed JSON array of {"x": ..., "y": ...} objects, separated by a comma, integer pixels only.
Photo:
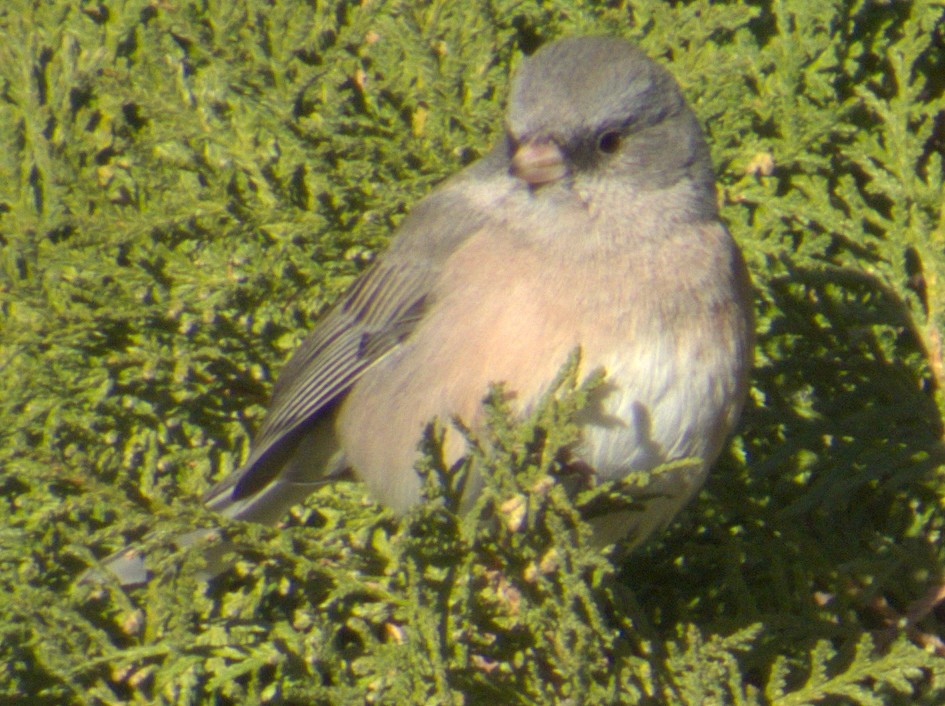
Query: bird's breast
[{"x": 508, "y": 313}]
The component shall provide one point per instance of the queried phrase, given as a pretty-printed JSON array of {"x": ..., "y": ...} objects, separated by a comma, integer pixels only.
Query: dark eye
[{"x": 609, "y": 142}]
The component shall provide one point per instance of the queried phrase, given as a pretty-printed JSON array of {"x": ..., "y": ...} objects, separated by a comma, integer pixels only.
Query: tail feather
[{"x": 267, "y": 506}]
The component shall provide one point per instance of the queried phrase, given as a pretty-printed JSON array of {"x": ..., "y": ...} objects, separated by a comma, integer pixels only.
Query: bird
[{"x": 592, "y": 224}]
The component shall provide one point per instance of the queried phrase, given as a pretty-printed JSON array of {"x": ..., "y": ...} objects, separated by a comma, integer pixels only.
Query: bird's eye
[{"x": 609, "y": 142}]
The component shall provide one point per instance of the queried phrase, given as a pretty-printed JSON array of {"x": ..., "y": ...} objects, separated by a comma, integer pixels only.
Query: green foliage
[{"x": 185, "y": 185}]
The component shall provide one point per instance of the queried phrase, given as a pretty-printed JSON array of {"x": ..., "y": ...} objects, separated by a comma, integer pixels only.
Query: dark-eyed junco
[{"x": 593, "y": 223}]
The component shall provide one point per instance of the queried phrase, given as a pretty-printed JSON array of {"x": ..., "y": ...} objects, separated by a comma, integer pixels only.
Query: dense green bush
[{"x": 185, "y": 185}]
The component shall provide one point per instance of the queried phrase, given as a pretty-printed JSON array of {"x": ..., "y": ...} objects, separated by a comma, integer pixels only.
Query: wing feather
[{"x": 377, "y": 313}]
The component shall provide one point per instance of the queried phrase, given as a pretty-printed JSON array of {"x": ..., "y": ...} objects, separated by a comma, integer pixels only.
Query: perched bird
[{"x": 592, "y": 223}]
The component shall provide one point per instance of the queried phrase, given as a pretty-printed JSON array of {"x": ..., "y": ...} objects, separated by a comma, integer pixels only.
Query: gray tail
[{"x": 267, "y": 506}]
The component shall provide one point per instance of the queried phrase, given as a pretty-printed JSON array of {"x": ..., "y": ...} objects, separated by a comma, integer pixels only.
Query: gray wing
[
  {"x": 373, "y": 317},
  {"x": 377, "y": 313}
]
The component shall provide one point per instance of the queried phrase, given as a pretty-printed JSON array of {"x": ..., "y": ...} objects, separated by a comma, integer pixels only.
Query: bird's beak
[{"x": 538, "y": 162}]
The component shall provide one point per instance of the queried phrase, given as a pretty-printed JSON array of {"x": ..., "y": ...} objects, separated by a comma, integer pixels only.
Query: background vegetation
[{"x": 185, "y": 185}]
